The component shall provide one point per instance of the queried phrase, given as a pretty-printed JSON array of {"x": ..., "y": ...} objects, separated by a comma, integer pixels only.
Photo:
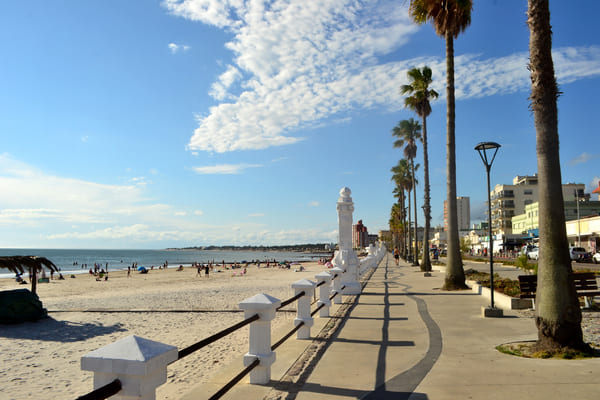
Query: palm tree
[
  {"x": 418, "y": 101},
  {"x": 449, "y": 18},
  {"x": 396, "y": 223},
  {"x": 33, "y": 264},
  {"x": 402, "y": 177},
  {"x": 558, "y": 314},
  {"x": 408, "y": 131}
]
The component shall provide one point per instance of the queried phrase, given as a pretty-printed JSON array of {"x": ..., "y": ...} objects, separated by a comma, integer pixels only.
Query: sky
[{"x": 175, "y": 123}]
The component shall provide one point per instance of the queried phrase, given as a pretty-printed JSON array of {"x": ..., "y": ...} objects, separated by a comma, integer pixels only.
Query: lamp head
[
  {"x": 487, "y": 146},
  {"x": 482, "y": 148}
]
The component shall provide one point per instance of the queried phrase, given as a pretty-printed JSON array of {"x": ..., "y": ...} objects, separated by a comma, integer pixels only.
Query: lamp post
[
  {"x": 578, "y": 230},
  {"x": 483, "y": 148}
]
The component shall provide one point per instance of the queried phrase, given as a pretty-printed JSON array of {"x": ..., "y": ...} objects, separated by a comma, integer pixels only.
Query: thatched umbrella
[{"x": 33, "y": 264}]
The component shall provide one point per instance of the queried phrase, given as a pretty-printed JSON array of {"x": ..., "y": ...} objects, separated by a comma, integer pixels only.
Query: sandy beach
[{"x": 179, "y": 308}]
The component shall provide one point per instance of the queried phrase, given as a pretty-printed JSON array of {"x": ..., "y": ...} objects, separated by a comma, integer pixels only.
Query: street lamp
[
  {"x": 578, "y": 230},
  {"x": 483, "y": 148}
]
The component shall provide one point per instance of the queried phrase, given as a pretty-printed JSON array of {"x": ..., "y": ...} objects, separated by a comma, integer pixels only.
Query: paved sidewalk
[{"x": 404, "y": 338}]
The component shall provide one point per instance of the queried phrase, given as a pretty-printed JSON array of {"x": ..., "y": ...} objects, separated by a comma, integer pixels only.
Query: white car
[
  {"x": 577, "y": 253},
  {"x": 596, "y": 258},
  {"x": 534, "y": 254}
]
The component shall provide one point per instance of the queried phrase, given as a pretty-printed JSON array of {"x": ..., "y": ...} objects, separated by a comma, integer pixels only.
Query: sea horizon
[{"x": 77, "y": 261}]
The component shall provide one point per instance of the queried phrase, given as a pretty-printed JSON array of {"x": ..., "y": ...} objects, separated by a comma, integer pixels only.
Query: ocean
[{"x": 73, "y": 261}]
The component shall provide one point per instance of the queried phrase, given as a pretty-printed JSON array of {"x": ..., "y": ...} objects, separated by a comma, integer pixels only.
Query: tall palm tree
[
  {"x": 558, "y": 314},
  {"x": 402, "y": 178},
  {"x": 418, "y": 101},
  {"x": 449, "y": 18},
  {"x": 396, "y": 223},
  {"x": 33, "y": 264},
  {"x": 398, "y": 218},
  {"x": 408, "y": 131}
]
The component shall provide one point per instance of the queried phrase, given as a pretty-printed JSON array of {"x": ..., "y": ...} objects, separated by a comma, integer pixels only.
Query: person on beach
[
  {"x": 198, "y": 268},
  {"x": 206, "y": 271},
  {"x": 128, "y": 271}
]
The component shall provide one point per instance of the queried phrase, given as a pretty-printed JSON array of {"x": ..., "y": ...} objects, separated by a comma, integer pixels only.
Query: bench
[{"x": 585, "y": 285}]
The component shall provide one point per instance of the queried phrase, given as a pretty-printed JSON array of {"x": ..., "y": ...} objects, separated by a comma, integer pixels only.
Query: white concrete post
[
  {"x": 345, "y": 257},
  {"x": 260, "y": 336},
  {"x": 303, "y": 309},
  {"x": 337, "y": 284},
  {"x": 140, "y": 364},
  {"x": 324, "y": 290}
]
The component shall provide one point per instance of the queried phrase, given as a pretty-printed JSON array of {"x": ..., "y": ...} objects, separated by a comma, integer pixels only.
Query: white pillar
[
  {"x": 337, "y": 284},
  {"x": 260, "y": 335},
  {"x": 345, "y": 257},
  {"x": 140, "y": 364},
  {"x": 303, "y": 309},
  {"x": 324, "y": 289}
]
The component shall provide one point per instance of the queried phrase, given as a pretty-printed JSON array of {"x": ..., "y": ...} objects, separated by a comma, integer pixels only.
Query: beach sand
[{"x": 42, "y": 359}]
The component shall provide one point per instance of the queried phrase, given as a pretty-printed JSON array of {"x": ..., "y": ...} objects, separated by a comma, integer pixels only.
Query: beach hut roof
[{"x": 19, "y": 264}]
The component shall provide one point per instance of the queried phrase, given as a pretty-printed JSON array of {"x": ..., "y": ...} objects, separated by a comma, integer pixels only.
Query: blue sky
[{"x": 155, "y": 124}]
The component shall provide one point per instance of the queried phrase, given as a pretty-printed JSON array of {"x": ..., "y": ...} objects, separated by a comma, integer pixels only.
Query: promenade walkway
[{"x": 404, "y": 338}]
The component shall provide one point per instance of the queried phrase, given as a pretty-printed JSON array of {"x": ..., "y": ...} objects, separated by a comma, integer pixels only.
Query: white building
[{"x": 463, "y": 211}]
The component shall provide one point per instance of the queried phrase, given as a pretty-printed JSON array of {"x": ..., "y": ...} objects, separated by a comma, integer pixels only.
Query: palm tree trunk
[
  {"x": 33, "y": 275},
  {"x": 409, "y": 226},
  {"x": 426, "y": 265},
  {"x": 558, "y": 314},
  {"x": 403, "y": 227},
  {"x": 416, "y": 255},
  {"x": 455, "y": 275}
]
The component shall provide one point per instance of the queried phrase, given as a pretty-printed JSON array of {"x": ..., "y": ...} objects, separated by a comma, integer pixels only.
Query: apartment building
[
  {"x": 360, "y": 235},
  {"x": 509, "y": 201},
  {"x": 574, "y": 210}
]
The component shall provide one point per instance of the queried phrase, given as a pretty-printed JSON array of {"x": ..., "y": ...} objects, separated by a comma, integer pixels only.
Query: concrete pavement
[{"x": 404, "y": 338}]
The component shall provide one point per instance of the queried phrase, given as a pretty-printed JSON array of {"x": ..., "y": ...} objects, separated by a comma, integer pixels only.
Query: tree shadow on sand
[{"x": 51, "y": 330}]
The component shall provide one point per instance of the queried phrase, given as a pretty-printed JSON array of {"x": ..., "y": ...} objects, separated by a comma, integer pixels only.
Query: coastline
[
  {"x": 78, "y": 261},
  {"x": 173, "y": 307}
]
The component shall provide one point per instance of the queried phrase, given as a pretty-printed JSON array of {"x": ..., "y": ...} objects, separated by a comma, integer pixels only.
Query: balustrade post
[
  {"x": 324, "y": 290},
  {"x": 140, "y": 364},
  {"x": 337, "y": 284},
  {"x": 260, "y": 336},
  {"x": 303, "y": 309}
]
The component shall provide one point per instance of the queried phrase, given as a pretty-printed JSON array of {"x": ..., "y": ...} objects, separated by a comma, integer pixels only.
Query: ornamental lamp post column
[{"x": 483, "y": 148}]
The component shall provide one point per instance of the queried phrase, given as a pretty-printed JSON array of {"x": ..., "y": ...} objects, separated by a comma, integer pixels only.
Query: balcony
[{"x": 505, "y": 194}]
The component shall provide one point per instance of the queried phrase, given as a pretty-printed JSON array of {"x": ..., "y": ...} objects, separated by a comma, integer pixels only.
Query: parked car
[
  {"x": 596, "y": 258},
  {"x": 577, "y": 253},
  {"x": 534, "y": 253},
  {"x": 527, "y": 248}
]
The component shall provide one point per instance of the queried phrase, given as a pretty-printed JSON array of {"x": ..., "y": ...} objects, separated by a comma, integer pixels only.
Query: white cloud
[
  {"x": 313, "y": 204},
  {"x": 583, "y": 158},
  {"x": 256, "y": 215},
  {"x": 301, "y": 62},
  {"x": 224, "y": 169},
  {"x": 48, "y": 211},
  {"x": 139, "y": 180},
  {"x": 38, "y": 198},
  {"x": 227, "y": 78},
  {"x": 176, "y": 48}
]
